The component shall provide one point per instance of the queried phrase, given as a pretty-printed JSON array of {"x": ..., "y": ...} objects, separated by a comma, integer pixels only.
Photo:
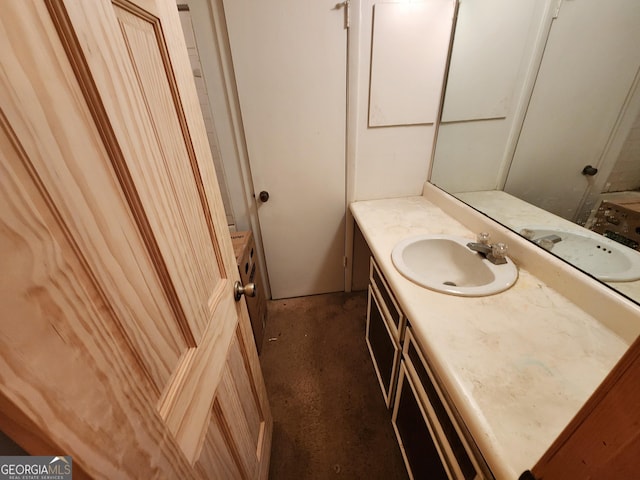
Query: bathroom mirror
[{"x": 540, "y": 125}]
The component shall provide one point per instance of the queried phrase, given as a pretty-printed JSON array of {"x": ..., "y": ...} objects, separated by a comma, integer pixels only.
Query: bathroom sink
[
  {"x": 595, "y": 254},
  {"x": 445, "y": 264}
]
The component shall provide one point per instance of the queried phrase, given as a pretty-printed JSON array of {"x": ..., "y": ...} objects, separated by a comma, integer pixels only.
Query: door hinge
[
  {"x": 344, "y": 262},
  {"x": 347, "y": 12},
  {"x": 557, "y": 10}
]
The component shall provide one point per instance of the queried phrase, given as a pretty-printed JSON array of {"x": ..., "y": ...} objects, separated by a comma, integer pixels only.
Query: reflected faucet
[
  {"x": 547, "y": 242},
  {"x": 495, "y": 253}
]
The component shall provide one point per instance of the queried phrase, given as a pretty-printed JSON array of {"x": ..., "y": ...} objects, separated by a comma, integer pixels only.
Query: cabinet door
[
  {"x": 460, "y": 454},
  {"x": 412, "y": 429},
  {"x": 388, "y": 303},
  {"x": 383, "y": 349}
]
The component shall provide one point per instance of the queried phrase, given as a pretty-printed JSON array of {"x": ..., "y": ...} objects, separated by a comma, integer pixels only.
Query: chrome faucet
[
  {"x": 547, "y": 242},
  {"x": 495, "y": 253}
]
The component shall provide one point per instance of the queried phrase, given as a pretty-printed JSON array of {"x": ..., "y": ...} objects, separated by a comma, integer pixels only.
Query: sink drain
[{"x": 451, "y": 284}]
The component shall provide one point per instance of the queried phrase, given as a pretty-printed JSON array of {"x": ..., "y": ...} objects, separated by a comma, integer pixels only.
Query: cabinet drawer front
[
  {"x": 388, "y": 302},
  {"x": 383, "y": 348}
]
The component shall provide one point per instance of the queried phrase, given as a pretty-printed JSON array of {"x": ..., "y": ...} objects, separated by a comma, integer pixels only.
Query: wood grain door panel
[
  {"x": 68, "y": 370},
  {"x": 236, "y": 399},
  {"x": 122, "y": 343},
  {"x": 61, "y": 155}
]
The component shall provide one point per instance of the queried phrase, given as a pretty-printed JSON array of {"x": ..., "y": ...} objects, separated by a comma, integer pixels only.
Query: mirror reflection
[{"x": 540, "y": 127}]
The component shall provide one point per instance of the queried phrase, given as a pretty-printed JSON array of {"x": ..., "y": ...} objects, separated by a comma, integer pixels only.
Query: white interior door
[
  {"x": 584, "y": 79},
  {"x": 289, "y": 59}
]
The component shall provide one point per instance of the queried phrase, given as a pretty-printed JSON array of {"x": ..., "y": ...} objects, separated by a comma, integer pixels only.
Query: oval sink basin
[
  {"x": 595, "y": 254},
  {"x": 445, "y": 264}
]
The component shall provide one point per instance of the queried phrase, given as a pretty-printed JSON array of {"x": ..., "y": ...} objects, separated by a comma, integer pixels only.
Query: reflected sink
[
  {"x": 595, "y": 254},
  {"x": 445, "y": 264}
]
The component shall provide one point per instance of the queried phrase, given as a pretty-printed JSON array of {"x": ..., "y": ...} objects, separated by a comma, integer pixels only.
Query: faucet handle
[
  {"x": 499, "y": 250},
  {"x": 483, "y": 238}
]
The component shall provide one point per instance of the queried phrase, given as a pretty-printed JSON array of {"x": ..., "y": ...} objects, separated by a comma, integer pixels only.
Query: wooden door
[
  {"x": 289, "y": 59},
  {"x": 602, "y": 440},
  {"x": 121, "y": 341}
]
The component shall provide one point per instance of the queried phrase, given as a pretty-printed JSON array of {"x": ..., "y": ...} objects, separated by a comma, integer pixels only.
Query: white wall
[
  {"x": 217, "y": 75},
  {"x": 381, "y": 161},
  {"x": 205, "y": 107}
]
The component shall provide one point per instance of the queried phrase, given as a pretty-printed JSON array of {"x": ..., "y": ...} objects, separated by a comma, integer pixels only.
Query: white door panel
[{"x": 289, "y": 59}]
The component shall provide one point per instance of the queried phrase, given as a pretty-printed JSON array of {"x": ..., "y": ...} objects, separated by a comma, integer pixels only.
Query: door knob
[
  {"x": 238, "y": 290},
  {"x": 589, "y": 170},
  {"x": 264, "y": 196}
]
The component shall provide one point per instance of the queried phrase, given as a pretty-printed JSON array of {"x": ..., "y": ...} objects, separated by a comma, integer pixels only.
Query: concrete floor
[{"x": 330, "y": 420}]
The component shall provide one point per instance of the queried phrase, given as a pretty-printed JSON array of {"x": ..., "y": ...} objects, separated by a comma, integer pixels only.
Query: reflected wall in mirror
[{"x": 540, "y": 124}]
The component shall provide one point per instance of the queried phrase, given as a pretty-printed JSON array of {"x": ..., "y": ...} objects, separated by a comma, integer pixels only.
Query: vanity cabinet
[
  {"x": 434, "y": 442},
  {"x": 385, "y": 324}
]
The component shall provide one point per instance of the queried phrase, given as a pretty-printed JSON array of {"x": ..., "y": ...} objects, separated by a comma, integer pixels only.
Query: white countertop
[{"x": 518, "y": 365}]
